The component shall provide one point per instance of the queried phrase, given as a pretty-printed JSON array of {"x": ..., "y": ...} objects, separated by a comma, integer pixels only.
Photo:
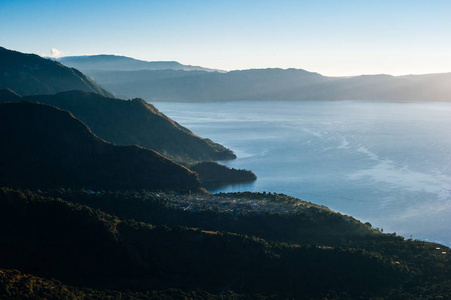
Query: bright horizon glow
[{"x": 333, "y": 38}]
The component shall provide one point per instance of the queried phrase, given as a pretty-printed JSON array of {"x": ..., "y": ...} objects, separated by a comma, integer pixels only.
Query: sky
[{"x": 333, "y": 38}]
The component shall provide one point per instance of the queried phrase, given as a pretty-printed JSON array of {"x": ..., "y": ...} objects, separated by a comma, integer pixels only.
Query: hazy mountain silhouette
[
  {"x": 122, "y": 63},
  {"x": 43, "y": 146},
  {"x": 134, "y": 122},
  {"x": 272, "y": 84},
  {"x": 30, "y": 74}
]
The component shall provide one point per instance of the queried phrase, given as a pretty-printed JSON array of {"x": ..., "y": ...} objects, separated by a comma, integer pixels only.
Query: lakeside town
[{"x": 237, "y": 203}]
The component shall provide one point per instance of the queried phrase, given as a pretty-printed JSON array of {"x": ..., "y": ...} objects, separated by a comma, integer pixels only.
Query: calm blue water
[{"x": 385, "y": 163}]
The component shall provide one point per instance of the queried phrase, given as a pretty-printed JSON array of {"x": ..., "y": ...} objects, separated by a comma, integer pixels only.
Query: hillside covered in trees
[
  {"x": 43, "y": 146},
  {"x": 132, "y": 122},
  {"x": 51, "y": 237},
  {"x": 213, "y": 174},
  {"x": 30, "y": 74}
]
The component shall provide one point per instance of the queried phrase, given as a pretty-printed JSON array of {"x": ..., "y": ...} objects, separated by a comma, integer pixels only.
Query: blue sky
[{"x": 337, "y": 38}]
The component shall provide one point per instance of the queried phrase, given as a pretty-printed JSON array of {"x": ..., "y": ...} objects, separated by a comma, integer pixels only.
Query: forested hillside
[
  {"x": 43, "y": 146},
  {"x": 133, "y": 122},
  {"x": 30, "y": 74},
  {"x": 136, "y": 122},
  {"x": 82, "y": 246}
]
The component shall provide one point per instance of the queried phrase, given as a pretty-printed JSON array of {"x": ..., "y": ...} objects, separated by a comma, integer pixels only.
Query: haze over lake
[{"x": 384, "y": 163}]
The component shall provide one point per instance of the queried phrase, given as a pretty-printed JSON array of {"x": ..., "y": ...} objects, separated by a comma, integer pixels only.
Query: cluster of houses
[{"x": 235, "y": 204}]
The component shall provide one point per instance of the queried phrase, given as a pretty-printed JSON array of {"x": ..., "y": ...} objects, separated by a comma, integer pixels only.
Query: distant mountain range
[
  {"x": 133, "y": 122},
  {"x": 122, "y": 63},
  {"x": 30, "y": 74},
  {"x": 273, "y": 85},
  {"x": 45, "y": 147},
  {"x": 171, "y": 81},
  {"x": 182, "y": 85}
]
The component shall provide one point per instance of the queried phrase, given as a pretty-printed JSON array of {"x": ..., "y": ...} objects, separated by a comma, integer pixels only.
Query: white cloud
[{"x": 55, "y": 53}]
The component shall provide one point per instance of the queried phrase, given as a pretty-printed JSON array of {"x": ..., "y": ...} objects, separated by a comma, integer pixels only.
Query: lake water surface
[{"x": 384, "y": 163}]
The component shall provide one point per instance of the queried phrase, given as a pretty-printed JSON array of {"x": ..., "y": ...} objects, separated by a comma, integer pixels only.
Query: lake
[{"x": 381, "y": 162}]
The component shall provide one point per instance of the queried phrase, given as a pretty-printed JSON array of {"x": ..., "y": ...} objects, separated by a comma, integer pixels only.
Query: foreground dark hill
[
  {"x": 19, "y": 285},
  {"x": 122, "y": 63},
  {"x": 30, "y": 74},
  {"x": 136, "y": 122},
  {"x": 43, "y": 146},
  {"x": 273, "y": 85},
  {"x": 54, "y": 238}
]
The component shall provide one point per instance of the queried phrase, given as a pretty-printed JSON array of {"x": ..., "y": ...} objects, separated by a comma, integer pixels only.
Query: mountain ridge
[
  {"x": 134, "y": 122},
  {"x": 44, "y": 146},
  {"x": 124, "y": 63},
  {"x": 271, "y": 84},
  {"x": 30, "y": 74}
]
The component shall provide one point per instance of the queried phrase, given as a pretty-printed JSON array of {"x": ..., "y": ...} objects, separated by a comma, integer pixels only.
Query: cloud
[{"x": 55, "y": 53}]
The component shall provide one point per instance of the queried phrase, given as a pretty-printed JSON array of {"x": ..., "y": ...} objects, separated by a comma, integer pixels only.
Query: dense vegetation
[
  {"x": 213, "y": 174},
  {"x": 43, "y": 146},
  {"x": 312, "y": 224},
  {"x": 82, "y": 246},
  {"x": 30, "y": 74},
  {"x": 17, "y": 285},
  {"x": 133, "y": 122}
]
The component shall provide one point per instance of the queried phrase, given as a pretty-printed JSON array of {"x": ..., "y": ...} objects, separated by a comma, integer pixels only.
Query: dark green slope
[
  {"x": 43, "y": 146},
  {"x": 30, "y": 74},
  {"x": 214, "y": 175},
  {"x": 136, "y": 122},
  {"x": 429, "y": 269},
  {"x": 18, "y": 285},
  {"x": 312, "y": 224},
  {"x": 83, "y": 246}
]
